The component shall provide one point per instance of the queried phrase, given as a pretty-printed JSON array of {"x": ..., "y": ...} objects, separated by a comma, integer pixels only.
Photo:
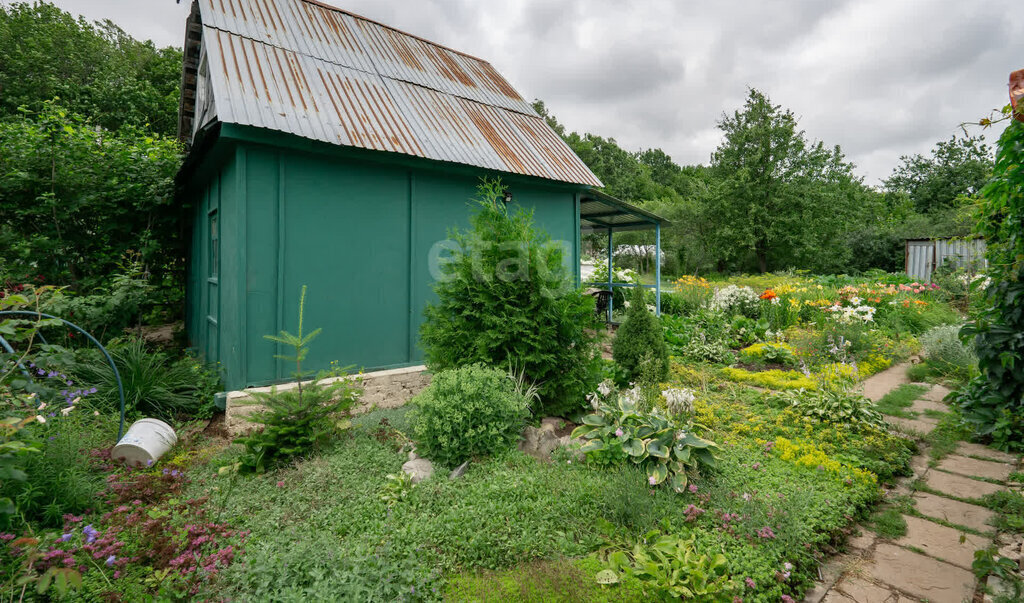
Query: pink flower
[
  {"x": 693, "y": 488},
  {"x": 618, "y": 432},
  {"x": 750, "y": 583},
  {"x": 280, "y": 484},
  {"x": 747, "y": 497},
  {"x": 787, "y": 599},
  {"x": 652, "y": 480},
  {"x": 766, "y": 533},
  {"x": 756, "y": 466}
]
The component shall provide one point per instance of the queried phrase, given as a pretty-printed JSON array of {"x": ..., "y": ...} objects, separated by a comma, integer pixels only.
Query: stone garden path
[{"x": 932, "y": 561}]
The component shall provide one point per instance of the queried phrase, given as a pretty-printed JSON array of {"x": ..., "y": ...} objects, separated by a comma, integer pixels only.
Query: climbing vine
[{"x": 994, "y": 402}]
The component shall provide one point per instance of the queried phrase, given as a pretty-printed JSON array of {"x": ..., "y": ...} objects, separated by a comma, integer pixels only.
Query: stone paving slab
[
  {"x": 954, "y": 511},
  {"x": 942, "y": 542},
  {"x": 920, "y": 575},
  {"x": 937, "y": 393},
  {"x": 963, "y": 465},
  {"x": 959, "y": 486},
  {"x": 876, "y": 386},
  {"x": 968, "y": 449},
  {"x": 921, "y": 425},
  {"x": 862, "y": 591},
  {"x": 922, "y": 405}
]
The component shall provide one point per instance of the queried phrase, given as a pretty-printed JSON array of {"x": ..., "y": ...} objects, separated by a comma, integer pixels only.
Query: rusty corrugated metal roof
[{"x": 305, "y": 68}]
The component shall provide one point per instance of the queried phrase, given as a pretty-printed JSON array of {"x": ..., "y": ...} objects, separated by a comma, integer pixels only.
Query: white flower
[
  {"x": 66, "y": 411},
  {"x": 41, "y": 406},
  {"x": 855, "y": 300},
  {"x": 605, "y": 387},
  {"x": 40, "y": 418},
  {"x": 678, "y": 400}
]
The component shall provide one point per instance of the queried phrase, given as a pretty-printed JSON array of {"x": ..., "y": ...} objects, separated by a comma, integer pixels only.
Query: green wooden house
[{"x": 329, "y": 150}]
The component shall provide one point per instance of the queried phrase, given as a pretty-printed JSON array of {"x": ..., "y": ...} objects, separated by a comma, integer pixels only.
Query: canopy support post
[
  {"x": 657, "y": 268},
  {"x": 611, "y": 290}
]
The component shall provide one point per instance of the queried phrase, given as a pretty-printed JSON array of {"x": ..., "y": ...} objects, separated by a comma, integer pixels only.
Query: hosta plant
[
  {"x": 835, "y": 400},
  {"x": 618, "y": 428},
  {"x": 673, "y": 564}
]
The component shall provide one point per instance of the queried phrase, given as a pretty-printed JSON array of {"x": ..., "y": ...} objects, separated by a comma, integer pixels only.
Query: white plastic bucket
[{"x": 145, "y": 442}]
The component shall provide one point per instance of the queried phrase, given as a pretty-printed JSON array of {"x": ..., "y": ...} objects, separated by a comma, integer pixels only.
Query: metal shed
[
  {"x": 329, "y": 150},
  {"x": 924, "y": 256}
]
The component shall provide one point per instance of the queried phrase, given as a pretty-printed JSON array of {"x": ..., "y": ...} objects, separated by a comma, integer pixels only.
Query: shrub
[
  {"x": 529, "y": 319},
  {"x": 568, "y": 581},
  {"x": 468, "y": 412},
  {"x": 297, "y": 420},
  {"x": 703, "y": 336},
  {"x": 735, "y": 299},
  {"x": 639, "y": 345},
  {"x": 155, "y": 385},
  {"x": 947, "y": 354}
]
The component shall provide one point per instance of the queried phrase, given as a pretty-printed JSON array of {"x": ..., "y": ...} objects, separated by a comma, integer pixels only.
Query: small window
[{"x": 214, "y": 245}]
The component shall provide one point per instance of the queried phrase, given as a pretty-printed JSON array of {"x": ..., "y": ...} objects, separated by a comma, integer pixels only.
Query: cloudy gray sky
[{"x": 881, "y": 78}]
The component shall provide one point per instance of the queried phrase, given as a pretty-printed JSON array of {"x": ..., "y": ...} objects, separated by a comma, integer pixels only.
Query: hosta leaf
[
  {"x": 659, "y": 471},
  {"x": 582, "y": 430},
  {"x": 593, "y": 446},
  {"x": 679, "y": 482},
  {"x": 657, "y": 448},
  {"x": 595, "y": 420},
  {"x": 633, "y": 447}
]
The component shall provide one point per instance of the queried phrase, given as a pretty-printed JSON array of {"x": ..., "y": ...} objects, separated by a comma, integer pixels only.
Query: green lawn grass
[{"x": 898, "y": 400}]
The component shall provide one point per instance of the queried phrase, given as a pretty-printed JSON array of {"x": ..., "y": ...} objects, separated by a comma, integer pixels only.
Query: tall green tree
[
  {"x": 957, "y": 168},
  {"x": 782, "y": 198},
  {"x": 97, "y": 70}
]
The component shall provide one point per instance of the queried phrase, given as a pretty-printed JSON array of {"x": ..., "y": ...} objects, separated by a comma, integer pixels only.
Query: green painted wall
[{"x": 357, "y": 228}]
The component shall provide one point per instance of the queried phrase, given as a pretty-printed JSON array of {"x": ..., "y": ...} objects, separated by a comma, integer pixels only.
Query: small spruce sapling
[{"x": 297, "y": 421}]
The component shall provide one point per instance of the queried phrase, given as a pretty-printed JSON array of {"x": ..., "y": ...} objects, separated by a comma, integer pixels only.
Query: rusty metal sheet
[{"x": 301, "y": 67}]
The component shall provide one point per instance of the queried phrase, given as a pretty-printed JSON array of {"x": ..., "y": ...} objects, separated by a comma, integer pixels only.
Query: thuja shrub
[
  {"x": 506, "y": 298},
  {"x": 639, "y": 345},
  {"x": 468, "y": 412}
]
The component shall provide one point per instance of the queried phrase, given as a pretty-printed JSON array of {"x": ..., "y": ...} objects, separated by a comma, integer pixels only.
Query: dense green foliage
[
  {"x": 994, "y": 401},
  {"x": 639, "y": 345},
  {"x": 784, "y": 198},
  {"x": 155, "y": 384},
  {"x": 96, "y": 70},
  {"x": 957, "y": 167},
  {"x": 469, "y": 412},
  {"x": 506, "y": 299},
  {"x": 78, "y": 200}
]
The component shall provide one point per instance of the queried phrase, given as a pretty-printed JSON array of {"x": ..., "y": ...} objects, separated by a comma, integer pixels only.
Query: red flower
[{"x": 768, "y": 294}]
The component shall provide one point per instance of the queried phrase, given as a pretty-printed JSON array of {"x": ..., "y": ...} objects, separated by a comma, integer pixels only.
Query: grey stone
[
  {"x": 919, "y": 406},
  {"x": 538, "y": 442},
  {"x": 862, "y": 591},
  {"x": 552, "y": 423},
  {"x": 459, "y": 471},
  {"x": 920, "y": 425},
  {"x": 420, "y": 469},
  {"x": 876, "y": 386},
  {"x": 412, "y": 455}
]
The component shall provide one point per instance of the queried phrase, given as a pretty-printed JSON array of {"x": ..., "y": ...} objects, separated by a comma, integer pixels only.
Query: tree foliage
[
  {"x": 96, "y": 70},
  {"x": 77, "y": 199},
  {"x": 782, "y": 197},
  {"x": 506, "y": 299},
  {"x": 957, "y": 168},
  {"x": 994, "y": 401}
]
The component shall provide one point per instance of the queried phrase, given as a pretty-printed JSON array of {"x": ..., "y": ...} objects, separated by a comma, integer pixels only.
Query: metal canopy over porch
[{"x": 601, "y": 212}]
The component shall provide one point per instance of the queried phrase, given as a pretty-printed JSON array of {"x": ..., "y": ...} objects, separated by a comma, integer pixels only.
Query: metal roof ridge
[
  {"x": 375, "y": 71},
  {"x": 393, "y": 28}
]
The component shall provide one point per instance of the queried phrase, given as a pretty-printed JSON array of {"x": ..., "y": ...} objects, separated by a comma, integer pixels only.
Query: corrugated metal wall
[{"x": 924, "y": 256}]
